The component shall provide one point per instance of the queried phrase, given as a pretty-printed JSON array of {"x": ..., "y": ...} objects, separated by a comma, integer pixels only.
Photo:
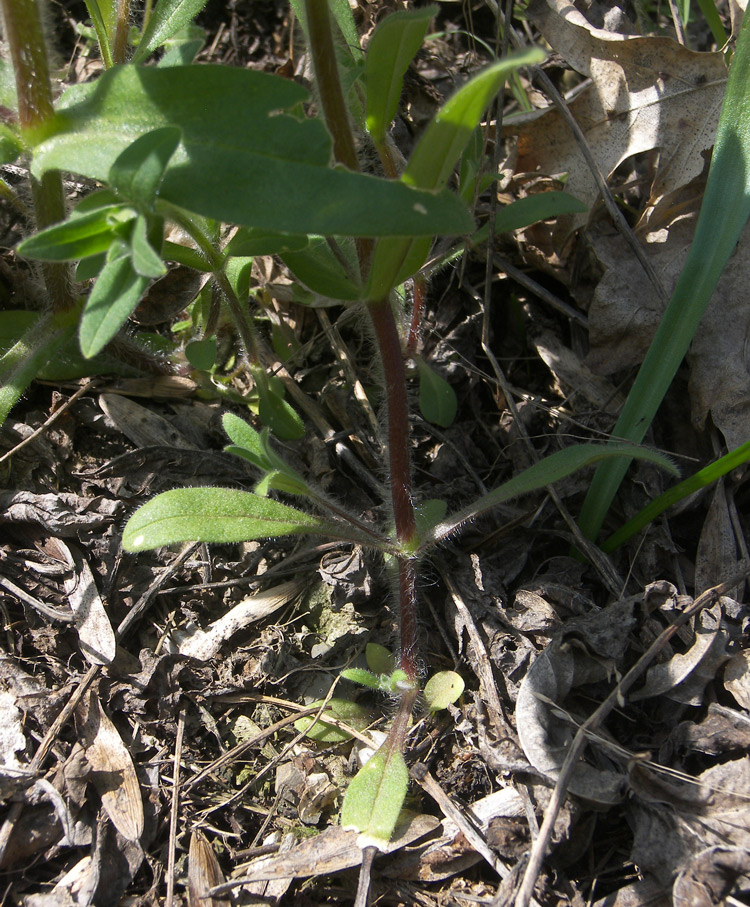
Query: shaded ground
[{"x": 186, "y": 742}]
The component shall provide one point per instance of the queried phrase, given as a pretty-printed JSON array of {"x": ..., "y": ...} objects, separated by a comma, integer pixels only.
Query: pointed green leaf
[
  {"x": 220, "y": 515},
  {"x": 443, "y": 689},
  {"x": 438, "y": 150},
  {"x": 166, "y": 20},
  {"x": 249, "y": 241},
  {"x": 78, "y": 237},
  {"x": 362, "y": 677},
  {"x": 351, "y": 713},
  {"x": 274, "y": 411},
  {"x": 138, "y": 171},
  {"x": 116, "y": 293},
  {"x": 242, "y": 159},
  {"x": 437, "y": 399},
  {"x": 376, "y": 795},
  {"x": 145, "y": 260},
  {"x": 320, "y": 270},
  {"x": 393, "y": 46},
  {"x": 724, "y": 212},
  {"x": 546, "y": 472}
]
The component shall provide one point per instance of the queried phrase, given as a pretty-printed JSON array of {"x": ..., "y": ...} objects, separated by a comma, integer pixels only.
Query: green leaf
[
  {"x": 201, "y": 354},
  {"x": 274, "y": 411},
  {"x": 379, "y": 659},
  {"x": 438, "y": 150},
  {"x": 80, "y": 236},
  {"x": 241, "y": 159},
  {"x": 443, "y": 689},
  {"x": 256, "y": 447},
  {"x": 428, "y": 514},
  {"x": 116, "y": 293},
  {"x": 375, "y": 796},
  {"x": 249, "y": 242},
  {"x": 146, "y": 262},
  {"x": 393, "y": 46},
  {"x": 535, "y": 208},
  {"x": 723, "y": 215},
  {"x": 166, "y": 20},
  {"x": 351, "y": 713},
  {"x": 220, "y": 515},
  {"x": 432, "y": 162},
  {"x": 711, "y": 473},
  {"x": 546, "y": 472},
  {"x": 23, "y": 362},
  {"x": 320, "y": 270},
  {"x": 138, "y": 171},
  {"x": 437, "y": 399},
  {"x": 362, "y": 677}
]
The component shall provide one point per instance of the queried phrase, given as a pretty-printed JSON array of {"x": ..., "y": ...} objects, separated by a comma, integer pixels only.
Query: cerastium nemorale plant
[{"x": 198, "y": 146}]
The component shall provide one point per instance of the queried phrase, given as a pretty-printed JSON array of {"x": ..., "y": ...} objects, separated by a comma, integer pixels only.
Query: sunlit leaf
[{"x": 376, "y": 795}]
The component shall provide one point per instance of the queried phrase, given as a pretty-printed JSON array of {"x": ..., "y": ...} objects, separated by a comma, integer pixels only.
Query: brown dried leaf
[
  {"x": 717, "y": 546},
  {"x": 684, "y": 676},
  {"x": 546, "y": 732},
  {"x": 95, "y": 632},
  {"x": 204, "y": 873},
  {"x": 737, "y": 678},
  {"x": 645, "y": 93},
  {"x": 112, "y": 770},
  {"x": 625, "y": 313},
  {"x": 142, "y": 426}
]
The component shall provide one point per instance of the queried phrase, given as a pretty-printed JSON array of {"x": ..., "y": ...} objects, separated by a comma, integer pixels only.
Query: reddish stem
[{"x": 417, "y": 315}]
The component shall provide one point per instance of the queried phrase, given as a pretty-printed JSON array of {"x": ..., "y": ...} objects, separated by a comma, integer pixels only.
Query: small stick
[{"x": 174, "y": 811}]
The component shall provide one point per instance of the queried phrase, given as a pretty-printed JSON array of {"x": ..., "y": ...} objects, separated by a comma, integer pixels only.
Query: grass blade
[{"x": 724, "y": 212}]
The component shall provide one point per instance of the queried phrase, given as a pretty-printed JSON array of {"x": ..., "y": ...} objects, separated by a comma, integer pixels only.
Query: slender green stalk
[{"x": 25, "y": 37}]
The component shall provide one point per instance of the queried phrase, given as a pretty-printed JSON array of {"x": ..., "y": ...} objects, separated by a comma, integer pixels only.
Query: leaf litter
[{"x": 129, "y": 767}]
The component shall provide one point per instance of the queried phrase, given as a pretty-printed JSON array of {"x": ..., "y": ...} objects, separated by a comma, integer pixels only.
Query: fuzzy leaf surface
[
  {"x": 375, "y": 796},
  {"x": 219, "y": 515},
  {"x": 242, "y": 159}
]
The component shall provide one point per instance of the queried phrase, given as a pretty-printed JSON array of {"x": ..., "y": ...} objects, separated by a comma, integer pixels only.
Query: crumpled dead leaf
[
  {"x": 63, "y": 514},
  {"x": 683, "y": 677},
  {"x": 645, "y": 93},
  {"x": 671, "y": 830},
  {"x": 112, "y": 770},
  {"x": 95, "y": 632},
  {"x": 625, "y": 313},
  {"x": 546, "y": 731}
]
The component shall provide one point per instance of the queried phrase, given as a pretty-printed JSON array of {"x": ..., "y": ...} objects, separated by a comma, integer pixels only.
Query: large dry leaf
[
  {"x": 645, "y": 93},
  {"x": 112, "y": 770},
  {"x": 625, "y": 313}
]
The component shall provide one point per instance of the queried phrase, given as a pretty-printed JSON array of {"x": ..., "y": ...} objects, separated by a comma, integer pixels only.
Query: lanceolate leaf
[
  {"x": 437, "y": 399},
  {"x": 113, "y": 300},
  {"x": 241, "y": 158},
  {"x": 78, "y": 237},
  {"x": 432, "y": 162},
  {"x": 166, "y": 20},
  {"x": 393, "y": 46},
  {"x": 220, "y": 515},
  {"x": 546, "y": 472},
  {"x": 375, "y": 796}
]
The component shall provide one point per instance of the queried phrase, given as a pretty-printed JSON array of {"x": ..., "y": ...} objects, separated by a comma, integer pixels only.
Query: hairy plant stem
[
  {"x": 25, "y": 37},
  {"x": 122, "y": 27},
  {"x": 336, "y": 115}
]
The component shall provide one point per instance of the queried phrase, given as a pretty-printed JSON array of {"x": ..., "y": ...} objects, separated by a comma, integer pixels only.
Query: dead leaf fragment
[
  {"x": 95, "y": 632},
  {"x": 646, "y": 93},
  {"x": 204, "y": 873},
  {"x": 112, "y": 770},
  {"x": 737, "y": 678}
]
